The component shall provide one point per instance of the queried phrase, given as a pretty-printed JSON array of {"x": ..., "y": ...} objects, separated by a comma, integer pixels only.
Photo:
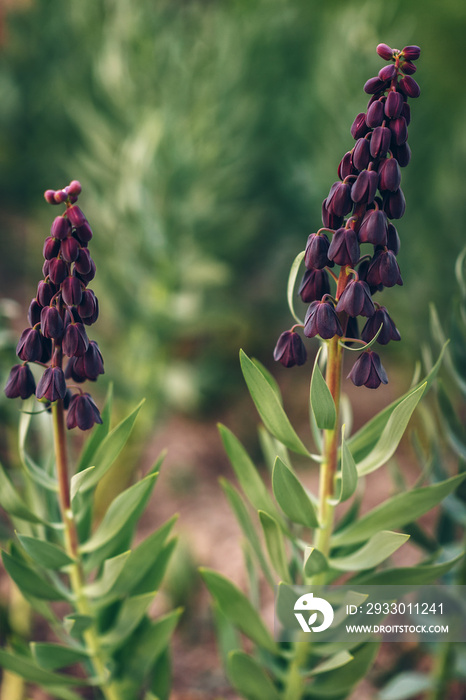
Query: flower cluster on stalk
[
  {"x": 58, "y": 316},
  {"x": 360, "y": 209}
]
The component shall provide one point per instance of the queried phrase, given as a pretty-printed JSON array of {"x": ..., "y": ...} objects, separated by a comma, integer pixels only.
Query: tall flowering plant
[
  {"x": 303, "y": 542},
  {"x": 104, "y": 632}
]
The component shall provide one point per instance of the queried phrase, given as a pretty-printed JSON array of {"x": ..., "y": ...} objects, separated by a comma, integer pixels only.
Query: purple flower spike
[
  {"x": 321, "y": 319},
  {"x": 290, "y": 350},
  {"x": 82, "y": 412},
  {"x": 20, "y": 383},
  {"x": 368, "y": 371},
  {"x": 356, "y": 299},
  {"x": 52, "y": 385},
  {"x": 389, "y": 330}
]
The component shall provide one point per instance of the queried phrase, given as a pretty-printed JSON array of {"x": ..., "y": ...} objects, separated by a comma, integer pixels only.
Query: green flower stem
[{"x": 91, "y": 638}]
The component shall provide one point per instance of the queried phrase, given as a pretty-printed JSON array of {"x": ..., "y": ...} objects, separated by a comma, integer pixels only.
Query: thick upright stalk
[{"x": 72, "y": 548}]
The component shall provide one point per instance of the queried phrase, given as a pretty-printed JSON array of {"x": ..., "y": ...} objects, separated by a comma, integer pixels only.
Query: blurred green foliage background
[{"x": 206, "y": 135}]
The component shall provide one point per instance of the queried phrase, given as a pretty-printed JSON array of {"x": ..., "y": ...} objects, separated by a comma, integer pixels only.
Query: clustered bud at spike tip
[
  {"x": 359, "y": 210},
  {"x": 58, "y": 315}
]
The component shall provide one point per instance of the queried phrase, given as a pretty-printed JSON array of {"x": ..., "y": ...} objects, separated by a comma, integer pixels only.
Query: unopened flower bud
[
  {"x": 51, "y": 323},
  {"x": 411, "y": 53},
  {"x": 374, "y": 86},
  {"x": 321, "y": 319},
  {"x": 346, "y": 166},
  {"x": 45, "y": 292},
  {"x": 74, "y": 188},
  {"x": 50, "y": 196},
  {"x": 20, "y": 383},
  {"x": 82, "y": 412},
  {"x": 52, "y": 385},
  {"x": 356, "y": 299},
  {"x": 60, "y": 228},
  {"x": 393, "y": 104},
  {"x": 315, "y": 257},
  {"x": 72, "y": 291},
  {"x": 76, "y": 216},
  {"x": 374, "y": 228},
  {"x": 393, "y": 239},
  {"x": 389, "y": 175},
  {"x": 361, "y": 154},
  {"x": 60, "y": 196},
  {"x": 408, "y": 68},
  {"x": 385, "y": 52},
  {"x": 51, "y": 248},
  {"x": 84, "y": 233},
  {"x": 402, "y": 154},
  {"x": 89, "y": 276},
  {"x": 34, "y": 312},
  {"x": 375, "y": 113},
  {"x": 395, "y": 204},
  {"x": 388, "y": 332},
  {"x": 83, "y": 262},
  {"x": 290, "y": 350},
  {"x": 409, "y": 86},
  {"x": 368, "y": 371},
  {"x": 399, "y": 130},
  {"x": 75, "y": 341},
  {"x": 57, "y": 270},
  {"x": 70, "y": 249},
  {"x": 380, "y": 141},
  {"x": 314, "y": 285},
  {"x": 387, "y": 72},
  {"x": 344, "y": 247},
  {"x": 359, "y": 127}
]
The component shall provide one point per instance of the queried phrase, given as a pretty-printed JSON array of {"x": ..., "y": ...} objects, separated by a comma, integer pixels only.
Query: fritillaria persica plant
[
  {"x": 305, "y": 544},
  {"x": 58, "y": 555}
]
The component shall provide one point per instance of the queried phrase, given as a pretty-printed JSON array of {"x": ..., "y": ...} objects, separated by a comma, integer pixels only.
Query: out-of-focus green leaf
[
  {"x": 53, "y": 656},
  {"x": 154, "y": 576},
  {"x": 291, "y": 496},
  {"x": 249, "y": 678},
  {"x": 44, "y": 553},
  {"x": 392, "y": 433},
  {"x": 336, "y": 661},
  {"x": 321, "y": 400},
  {"x": 292, "y": 282},
  {"x": 111, "y": 571},
  {"x": 25, "y": 668},
  {"x": 99, "y": 433},
  {"x": 349, "y": 472},
  {"x": 455, "y": 430},
  {"x": 75, "y": 624},
  {"x": 397, "y": 511},
  {"x": 275, "y": 545},
  {"x": 237, "y": 608},
  {"x": 109, "y": 449},
  {"x": 269, "y": 407},
  {"x": 421, "y": 575},
  {"x": 119, "y": 512},
  {"x": 12, "y": 502},
  {"x": 315, "y": 562},
  {"x": 408, "y": 684},
  {"x": 29, "y": 580},
  {"x": 376, "y": 550},
  {"x": 247, "y": 474},
  {"x": 245, "y": 522},
  {"x": 129, "y": 616},
  {"x": 341, "y": 680}
]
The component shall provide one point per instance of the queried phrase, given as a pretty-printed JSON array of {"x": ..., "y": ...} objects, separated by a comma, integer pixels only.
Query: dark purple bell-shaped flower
[
  {"x": 314, "y": 285},
  {"x": 88, "y": 309},
  {"x": 29, "y": 348},
  {"x": 368, "y": 371},
  {"x": 34, "y": 312},
  {"x": 72, "y": 291},
  {"x": 57, "y": 270},
  {"x": 75, "y": 341},
  {"x": 394, "y": 104},
  {"x": 339, "y": 200},
  {"x": 389, "y": 330},
  {"x": 91, "y": 364},
  {"x": 402, "y": 154},
  {"x": 344, "y": 247},
  {"x": 69, "y": 249},
  {"x": 365, "y": 187},
  {"x": 330, "y": 220},
  {"x": 384, "y": 269},
  {"x": 395, "y": 204},
  {"x": 51, "y": 248},
  {"x": 82, "y": 412},
  {"x": 374, "y": 228},
  {"x": 290, "y": 350},
  {"x": 315, "y": 257},
  {"x": 84, "y": 233},
  {"x": 393, "y": 239},
  {"x": 375, "y": 114},
  {"x": 346, "y": 166},
  {"x": 359, "y": 127},
  {"x": 361, "y": 154},
  {"x": 51, "y": 323},
  {"x": 45, "y": 292},
  {"x": 389, "y": 175},
  {"x": 60, "y": 227},
  {"x": 380, "y": 141},
  {"x": 52, "y": 385},
  {"x": 399, "y": 130},
  {"x": 321, "y": 319},
  {"x": 20, "y": 383},
  {"x": 356, "y": 299}
]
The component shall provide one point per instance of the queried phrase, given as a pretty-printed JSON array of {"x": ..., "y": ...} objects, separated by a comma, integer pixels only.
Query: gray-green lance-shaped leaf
[
  {"x": 336, "y": 661},
  {"x": 349, "y": 472},
  {"x": 53, "y": 656},
  {"x": 247, "y": 474},
  {"x": 119, "y": 512},
  {"x": 392, "y": 433},
  {"x": 29, "y": 581},
  {"x": 315, "y": 562},
  {"x": 364, "y": 440},
  {"x": 75, "y": 624},
  {"x": 421, "y": 575},
  {"x": 269, "y": 407},
  {"x": 129, "y": 616},
  {"x": 292, "y": 497},
  {"x": 240, "y": 510},
  {"x": 111, "y": 571},
  {"x": 322, "y": 403},
  {"x": 12, "y": 503},
  {"x": 374, "y": 552},
  {"x": 46, "y": 554},
  {"x": 109, "y": 449},
  {"x": 341, "y": 680},
  {"x": 27, "y": 669},
  {"x": 275, "y": 545},
  {"x": 249, "y": 678},
  {"x": 396, "y": 512},
  {"x": 292, "y": 282},
  {"x": 238, "y": 609}
]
